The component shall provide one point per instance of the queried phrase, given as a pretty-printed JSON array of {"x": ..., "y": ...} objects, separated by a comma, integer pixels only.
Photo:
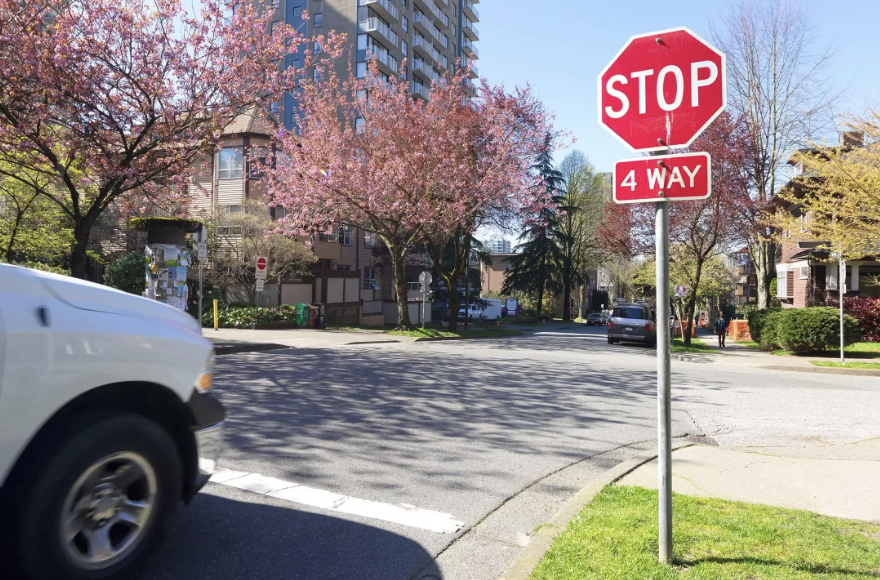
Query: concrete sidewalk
[
  {"x": 247, "y": 340},
  {"x": 833, "y": 487}
]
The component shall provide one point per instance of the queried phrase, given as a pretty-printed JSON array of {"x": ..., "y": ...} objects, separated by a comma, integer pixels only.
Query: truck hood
[{"x": 89, "y": 296}]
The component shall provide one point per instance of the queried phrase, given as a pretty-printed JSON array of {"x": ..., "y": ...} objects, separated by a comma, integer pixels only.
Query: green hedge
[
  {"x": 807, "y": 330},
  {"x": 127, "y": 273},
  {"x": 246, "y": 316},
  {"x": 757, "y": 319}
]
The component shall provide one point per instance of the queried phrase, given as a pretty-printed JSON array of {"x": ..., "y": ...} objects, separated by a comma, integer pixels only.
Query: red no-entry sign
[
  {"x": 671, "y": 177},
  {"x": 662, "y": 90},
  {"x": 262, "y": 265}
]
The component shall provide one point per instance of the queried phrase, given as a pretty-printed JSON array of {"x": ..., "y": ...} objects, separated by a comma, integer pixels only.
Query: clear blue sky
[{"x": 559, "y": 47}]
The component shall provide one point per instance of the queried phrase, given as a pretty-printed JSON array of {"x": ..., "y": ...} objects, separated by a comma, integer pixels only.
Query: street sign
[
  {"x": 425, "y": 279},
  {"x": 512, "y": 306},
  {"x": 202, "y": 249},
  {"x": 260, "y": 285},
  {"x": 262, "y": 268},
  {"x": 662, "y": 90},
  {"x": 670, "y": 177},
  {"x": 681, "y": 291}
]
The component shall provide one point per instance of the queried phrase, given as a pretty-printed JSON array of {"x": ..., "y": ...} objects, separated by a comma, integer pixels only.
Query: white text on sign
[{"x": 663, "y": 177}]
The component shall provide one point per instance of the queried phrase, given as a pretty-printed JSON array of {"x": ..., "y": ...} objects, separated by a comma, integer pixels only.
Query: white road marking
[{"x": 403, "y": 514}]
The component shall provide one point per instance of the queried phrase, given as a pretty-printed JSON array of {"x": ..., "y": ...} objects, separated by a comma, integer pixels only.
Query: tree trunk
[
  {"x": 566, "y": 291},
  {"x": 689, "y": 309},
  {"x": 454, "y": 303},
  {"x": 542, "y": 281},
  {"x": 765, "y": 268},
  {"x": 398, "y": 261},
  {"x": 78, "y": 257},
  {"x": 9, "y": 249}
]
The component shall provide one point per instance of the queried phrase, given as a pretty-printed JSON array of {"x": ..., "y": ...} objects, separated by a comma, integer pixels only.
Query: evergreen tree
[{"x": 534, "y": 269}]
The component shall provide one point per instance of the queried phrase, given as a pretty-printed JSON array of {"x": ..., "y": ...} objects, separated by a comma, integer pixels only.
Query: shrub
[
  {"x": 230, "y": 316},
  {"x": 127, "y": 273},
  {"x": 808, "y": 330},
  {"x": 767, "y": 325},
  {"x": 866, "y": 310},
  {"x": 757, "y": 321},
  {"x": 527, "y": 315}
]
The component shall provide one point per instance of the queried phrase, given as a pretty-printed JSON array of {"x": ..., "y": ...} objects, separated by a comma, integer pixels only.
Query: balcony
[
  {"x": 466, "y": 62},
  {"x": 419, "y": 90},
  {"x": 379, "y": 28},
  {"x": 470, "y": 10},
  {"x": 422, "y": 22},
  {"x": 426, "y": 48},
  {"x": 469, "y": 86},
  {"x": 384, "y": 57},
  {"x": 439, "y": 16},
  {"x": 383, "y": 8},
  {"x": 469, "y": 48},
  {"x": 470, "y": 30},
  {"x": 425, "y": 70}
]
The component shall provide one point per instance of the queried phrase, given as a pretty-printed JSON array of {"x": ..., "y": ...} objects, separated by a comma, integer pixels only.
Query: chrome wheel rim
[{"x": 108, "y": 510}]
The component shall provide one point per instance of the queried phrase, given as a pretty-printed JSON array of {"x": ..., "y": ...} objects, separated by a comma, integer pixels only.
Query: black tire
[{"x": 40, "y": 547}]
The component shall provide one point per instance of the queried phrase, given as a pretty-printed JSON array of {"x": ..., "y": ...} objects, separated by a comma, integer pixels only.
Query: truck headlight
[{"x": 206, "y": 377}]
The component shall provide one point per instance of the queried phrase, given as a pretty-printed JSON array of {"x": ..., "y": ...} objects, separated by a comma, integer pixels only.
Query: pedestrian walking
[{"x": 721, "y": 331}]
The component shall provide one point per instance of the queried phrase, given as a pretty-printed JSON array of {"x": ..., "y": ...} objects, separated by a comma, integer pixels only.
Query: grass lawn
[
  {"x": 697, "y": 345},
  {"x": 849, "y": 365},
  {"x": 475, "y": 333},
  {"x": 615, "y": 538}
]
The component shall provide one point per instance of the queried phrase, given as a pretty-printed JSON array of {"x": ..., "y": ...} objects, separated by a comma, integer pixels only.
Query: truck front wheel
[{"x": 100, "y": 505}]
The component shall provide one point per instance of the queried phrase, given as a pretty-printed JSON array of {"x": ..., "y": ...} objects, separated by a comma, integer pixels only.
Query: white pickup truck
[{"x": 105, "y": 425}]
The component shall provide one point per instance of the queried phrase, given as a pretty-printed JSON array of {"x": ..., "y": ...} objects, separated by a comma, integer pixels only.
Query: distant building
[{"x": 499, "y": 246}]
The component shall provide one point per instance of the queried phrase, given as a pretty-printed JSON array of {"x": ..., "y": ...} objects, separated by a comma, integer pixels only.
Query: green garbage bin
[{"x": 302, "y": 314}]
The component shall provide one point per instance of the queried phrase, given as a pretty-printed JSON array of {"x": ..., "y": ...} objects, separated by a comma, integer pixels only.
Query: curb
[
  {"x": 531, "y": 555},
  {"x": 373, "y": 342},
  {"x": 824, "y": 370},
  {"x": 240, "y": 348},
  {"x": 441, "y": 338}
]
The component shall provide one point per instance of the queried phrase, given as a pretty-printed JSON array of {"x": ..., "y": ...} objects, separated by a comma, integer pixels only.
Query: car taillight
[
  {"x": 648, "y": 327},
  {"x": 610, "y": 325}
]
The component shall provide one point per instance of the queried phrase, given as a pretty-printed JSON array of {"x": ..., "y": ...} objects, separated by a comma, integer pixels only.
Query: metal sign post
[{"x": 664, "y": 394}]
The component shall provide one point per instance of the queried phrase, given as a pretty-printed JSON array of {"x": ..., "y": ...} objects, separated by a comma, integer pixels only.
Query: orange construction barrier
[{"x": 739, "y": 330}]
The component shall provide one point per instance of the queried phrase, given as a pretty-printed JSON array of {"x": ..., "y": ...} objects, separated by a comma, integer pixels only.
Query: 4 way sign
[{"x": 685, "y": 177}]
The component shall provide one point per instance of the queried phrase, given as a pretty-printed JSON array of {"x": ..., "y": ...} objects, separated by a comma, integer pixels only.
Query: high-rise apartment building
[
  {"x": 432, "y": 35},
  {"x": 499, "y": 246}
]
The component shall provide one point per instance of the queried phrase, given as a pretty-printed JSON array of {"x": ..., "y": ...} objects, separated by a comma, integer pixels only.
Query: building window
[
  {"x": 369, "y": 240},
  {"x": 276, "y": 3},
  {"x": 403, "y": 72},
  {"x": 273, "y": 108},
  {"x": 232, "y": 208},
  {"x": 297, "y": 12},
  {"x": 359, "y": 125},
  {"x": 803, "y": 223},
  {"x": 316, "y": 75},
  {"x": 319, "y": 20},
  {"x": 404, "y": 23},
  {"x": 343, "y": 267},
  {"x": 230, "y": 163},
  {"x": 362, "y": 42},
  {"x": 279, "y": 212},
  {"x": 345, "y": 235},
  {"x": 361, "y": 70},
  {"x": 404, "y": 47},
  {"x": 370, "y": 278},
  {"x": 782, "y": 284},
  {"x": 805, "y": 272}
]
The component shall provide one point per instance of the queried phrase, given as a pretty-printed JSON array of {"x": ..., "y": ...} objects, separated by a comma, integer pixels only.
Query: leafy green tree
[
  {"x": 579, "y": 214},
  {"x": 32, "y": 228},
  {"x": 535, "y": 268},
  {"x": 450, "y": 259},
  {"x": 126, "y": 273}
]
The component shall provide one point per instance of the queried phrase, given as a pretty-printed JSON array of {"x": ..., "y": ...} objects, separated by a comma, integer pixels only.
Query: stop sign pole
[{"x": 661, "y": 91}]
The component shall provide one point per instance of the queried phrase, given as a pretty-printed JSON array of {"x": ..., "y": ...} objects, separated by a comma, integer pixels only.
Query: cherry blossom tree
[
  {"x": 367, "y": 153},
  {"x": 129, "y": 93}
]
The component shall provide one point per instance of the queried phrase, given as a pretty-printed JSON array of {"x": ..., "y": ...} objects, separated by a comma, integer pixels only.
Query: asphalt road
[{"x": 461, "y": 428}]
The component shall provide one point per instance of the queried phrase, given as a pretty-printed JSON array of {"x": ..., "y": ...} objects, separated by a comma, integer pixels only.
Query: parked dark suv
[{"x": 632, "y": 322}]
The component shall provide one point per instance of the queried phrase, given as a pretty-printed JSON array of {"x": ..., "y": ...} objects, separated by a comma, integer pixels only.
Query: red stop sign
[
  {"x": 261, "y": 264},
  {"x": 662, "y": 90}
]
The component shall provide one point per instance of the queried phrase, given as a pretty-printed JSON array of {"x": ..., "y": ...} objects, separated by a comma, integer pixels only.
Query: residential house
[{"x": 807, "y": 272}]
